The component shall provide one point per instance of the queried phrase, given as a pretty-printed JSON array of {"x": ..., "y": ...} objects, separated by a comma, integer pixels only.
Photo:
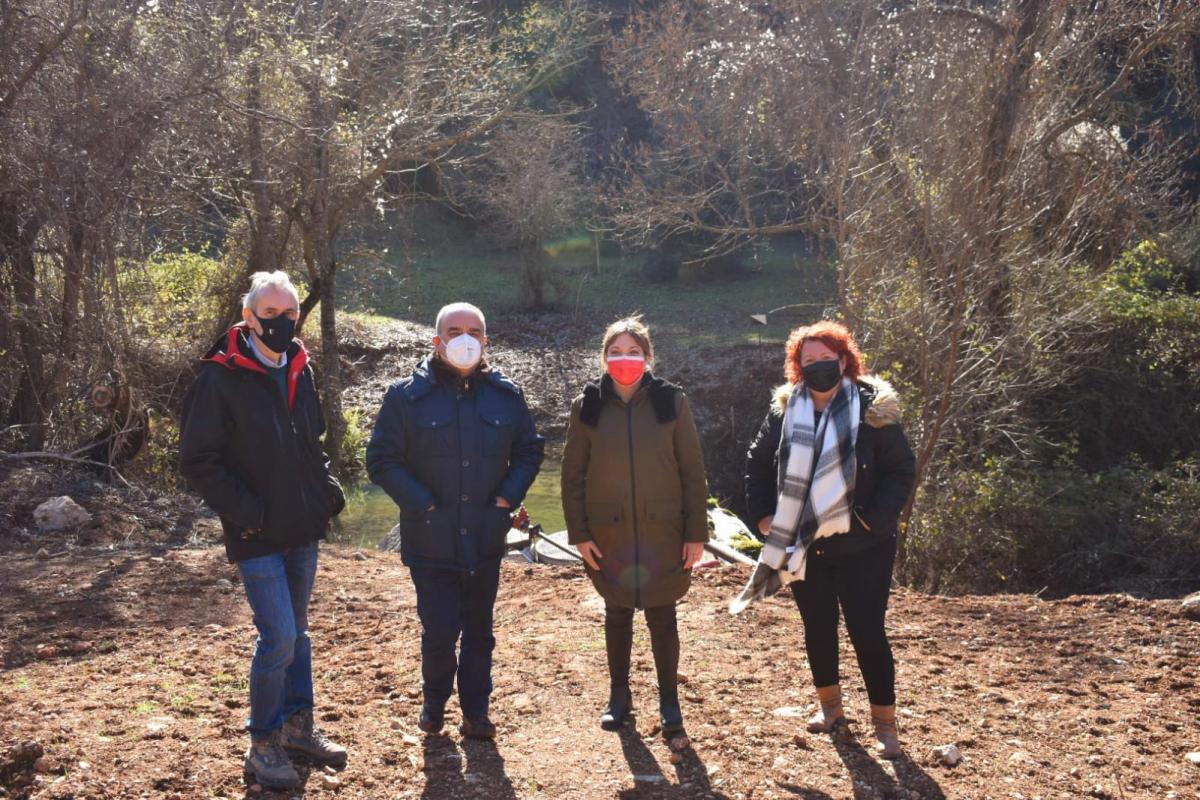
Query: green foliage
[
  {"x": 1140, "y": 395},
  {"x": 1009, "y": 526},
  {"x": 354, "y": 440},
  {"x": 538, "y": 30},
  {"x": 168, "y": 286}
]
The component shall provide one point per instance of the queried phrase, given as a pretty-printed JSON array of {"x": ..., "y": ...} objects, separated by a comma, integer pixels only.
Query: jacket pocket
[
  {"x": 435, "y": 432},
  {"x": 497, "y": 522},
  {"x": 497, "y": 433},
  {"x": 429, "y": 536}
]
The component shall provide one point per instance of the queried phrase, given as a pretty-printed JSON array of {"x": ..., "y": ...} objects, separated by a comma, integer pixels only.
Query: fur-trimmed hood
[{"x": 880, "y": 399}]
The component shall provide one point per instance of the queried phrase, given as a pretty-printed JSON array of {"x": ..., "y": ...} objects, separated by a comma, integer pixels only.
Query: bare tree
[
  {"x": 970, "y": 170},
  {"x": 529, "y": 185}
]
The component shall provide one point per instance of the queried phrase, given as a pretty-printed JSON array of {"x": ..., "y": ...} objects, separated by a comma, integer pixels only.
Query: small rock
[
  {"x": 790, "y": 711},
  {"x": 678, "y": 743},
  {"x": 948, "y": 755},
  {"x": 1095, "y": 760},
  {"x": 331, "y": 781},
  {"x": 43, "y": 554},
  {"x": 360, "y": 556},
  {"x": 1100, "y": 793},
  {"x": 256, "y": 788},
  {"x": 224, "y": 584},
  {"x": 60, "y": 513},
  {"x": 676, "y": 758},
  {"x": 1193, "y": 758},
  {"x": 84, "y": 765},
  {"x": 800, "y": 741},
  {"x": 44, "y": 765},
  {"x": 1075, "y": 772},
  {"x": 1191, "y": 605},
  {"x": 26, "y": 751}
]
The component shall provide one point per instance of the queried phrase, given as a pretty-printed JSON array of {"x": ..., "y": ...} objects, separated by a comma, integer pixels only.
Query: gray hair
[
  {"x": 261, "y": 281},
  {"x": 454, "y": 308}
]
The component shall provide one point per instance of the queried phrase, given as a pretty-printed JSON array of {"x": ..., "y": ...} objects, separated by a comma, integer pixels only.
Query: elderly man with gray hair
[
  {"x": 456, "y": 447},
  {"x": 250, "y": 444}
]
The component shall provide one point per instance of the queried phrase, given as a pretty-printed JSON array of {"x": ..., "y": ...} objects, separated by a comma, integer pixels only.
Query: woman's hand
[
  {"x": 692, "y": 551},
  {"x": 591, "y": 554},
  {"x": 764, "y": 524}
]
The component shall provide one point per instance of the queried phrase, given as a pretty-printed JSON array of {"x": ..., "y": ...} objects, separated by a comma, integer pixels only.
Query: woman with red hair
[{"x": 827, "y": 477}]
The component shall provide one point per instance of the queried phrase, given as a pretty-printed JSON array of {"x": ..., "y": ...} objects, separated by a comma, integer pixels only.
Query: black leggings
[
  {"x": 664, "y": 642},
  {"x": 861, "y": 582}
]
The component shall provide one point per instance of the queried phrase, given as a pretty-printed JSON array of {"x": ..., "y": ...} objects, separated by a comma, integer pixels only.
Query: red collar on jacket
[{"x": 234, "y": 353}]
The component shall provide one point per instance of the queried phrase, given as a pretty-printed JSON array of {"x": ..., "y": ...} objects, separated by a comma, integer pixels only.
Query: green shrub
[
  {"x": 1009, "y": 526},
  {"x": 354, "y": 441}
]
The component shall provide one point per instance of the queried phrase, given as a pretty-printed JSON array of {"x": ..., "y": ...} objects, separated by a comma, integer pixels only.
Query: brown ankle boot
[
  {"x": 886, "y": 733},
  {"x": 831, "y": 713}
]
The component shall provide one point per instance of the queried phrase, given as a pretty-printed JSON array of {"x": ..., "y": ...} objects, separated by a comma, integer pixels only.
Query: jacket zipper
[
  {"x": 297, "y": 449},
  {"x": 462, "y": 546},
  {"x": 637, "y": 551}
]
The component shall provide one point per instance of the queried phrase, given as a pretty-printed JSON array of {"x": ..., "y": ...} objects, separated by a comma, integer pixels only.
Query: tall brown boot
[
  {"x": 831, "y": 713},
  {"x": 888, "y": 736}
]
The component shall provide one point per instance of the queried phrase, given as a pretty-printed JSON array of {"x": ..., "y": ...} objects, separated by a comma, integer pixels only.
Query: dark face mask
[
  {"x": 277, "y": 332},
  {"x": 821, "y": 376}
]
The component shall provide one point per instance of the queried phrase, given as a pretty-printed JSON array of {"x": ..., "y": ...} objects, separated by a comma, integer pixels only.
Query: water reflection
[{"x": 370, "y": 513}]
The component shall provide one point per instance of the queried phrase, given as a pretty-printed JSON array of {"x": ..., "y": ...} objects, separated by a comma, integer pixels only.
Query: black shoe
[
  {"x": 672, "y": 714},
  {"x": 430, "y": 721},
  {"x": 620, "y": 701},
  {"x": 478, "y": 728}
]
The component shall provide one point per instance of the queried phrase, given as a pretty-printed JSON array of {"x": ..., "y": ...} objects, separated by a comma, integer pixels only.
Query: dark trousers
[
  {"x": 664, "y": 643},
  {"x": 860, "y": 583},
  {"x": 451, "y": 603}
]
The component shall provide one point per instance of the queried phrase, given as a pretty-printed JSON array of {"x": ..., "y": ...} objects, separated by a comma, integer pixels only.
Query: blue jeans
[
  {"x": 451, "y": 602},
  {"x": 278, "y": 587}
]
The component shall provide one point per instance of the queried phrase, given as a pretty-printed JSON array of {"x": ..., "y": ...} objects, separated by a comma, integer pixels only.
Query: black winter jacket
[
  {"x": 455, "y": 447},
  {"x": 253, "y": 454},
  {"x": 886, "y": 469}
]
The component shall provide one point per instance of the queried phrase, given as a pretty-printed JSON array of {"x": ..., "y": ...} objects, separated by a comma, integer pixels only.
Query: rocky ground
[{"x": 124, "y": 676}]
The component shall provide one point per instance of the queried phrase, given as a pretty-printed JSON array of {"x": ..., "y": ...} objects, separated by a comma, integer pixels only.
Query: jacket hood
[
  {"x": 883, "y": 403},
  {"x": 233, "y": 352}
]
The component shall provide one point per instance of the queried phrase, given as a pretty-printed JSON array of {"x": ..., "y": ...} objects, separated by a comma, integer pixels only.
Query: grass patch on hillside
[{"x": 706, "y": 304}]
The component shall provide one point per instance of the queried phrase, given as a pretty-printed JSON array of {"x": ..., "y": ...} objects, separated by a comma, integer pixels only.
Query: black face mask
[
  {"x": 821, "y": 376},
  {"x": 277, "y": 332}
]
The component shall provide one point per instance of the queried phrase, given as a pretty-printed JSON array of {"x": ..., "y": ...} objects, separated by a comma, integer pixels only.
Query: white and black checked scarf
[{"x": 814, "y": 493}]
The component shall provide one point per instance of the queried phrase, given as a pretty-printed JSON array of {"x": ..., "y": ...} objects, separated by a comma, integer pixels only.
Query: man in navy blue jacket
[{"x": 456, "y": 447}]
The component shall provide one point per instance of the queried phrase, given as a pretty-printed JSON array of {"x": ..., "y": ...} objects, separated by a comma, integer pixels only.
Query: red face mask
[{"x": 626, "y": 370}]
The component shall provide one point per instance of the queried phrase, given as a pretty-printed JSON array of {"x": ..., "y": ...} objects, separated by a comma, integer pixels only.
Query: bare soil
[{"x": 124, "y": 676}]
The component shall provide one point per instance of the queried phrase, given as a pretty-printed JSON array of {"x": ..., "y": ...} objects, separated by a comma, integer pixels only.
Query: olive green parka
[{"x": 633, "y": 482}]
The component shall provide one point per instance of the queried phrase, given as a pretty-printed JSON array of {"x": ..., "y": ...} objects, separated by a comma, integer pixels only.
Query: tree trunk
[
  {"x": 28, "y": 408},
  {"x": 331, "y": 366}
]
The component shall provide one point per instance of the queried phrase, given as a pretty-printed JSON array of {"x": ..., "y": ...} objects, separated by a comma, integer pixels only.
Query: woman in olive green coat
[{"x": 634, "y": 497}]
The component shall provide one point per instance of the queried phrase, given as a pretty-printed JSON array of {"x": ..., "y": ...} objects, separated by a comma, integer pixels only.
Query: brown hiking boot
[
  {"x": 886, "y": 733},
  {"x": 268, "y": 765},
  {"x": 478, "y": 728},
  {"x": 431, "y": 721},
  {"x": 301, "y": 737},
  {"x": 831, "y": 714}
]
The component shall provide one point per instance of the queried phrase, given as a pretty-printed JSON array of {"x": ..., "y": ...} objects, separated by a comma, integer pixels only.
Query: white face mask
[{"x": 464, "y": 351}]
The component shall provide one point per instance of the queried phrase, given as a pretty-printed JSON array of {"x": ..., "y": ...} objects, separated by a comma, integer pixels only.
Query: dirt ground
[{"x": 124, "y": 672}]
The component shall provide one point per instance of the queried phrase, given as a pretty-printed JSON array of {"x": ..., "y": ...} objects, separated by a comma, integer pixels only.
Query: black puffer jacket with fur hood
[{"x": 886, "y": 469}]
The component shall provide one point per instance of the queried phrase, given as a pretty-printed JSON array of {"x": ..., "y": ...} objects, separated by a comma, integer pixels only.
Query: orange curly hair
[{"x": 835, "y": 336}]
